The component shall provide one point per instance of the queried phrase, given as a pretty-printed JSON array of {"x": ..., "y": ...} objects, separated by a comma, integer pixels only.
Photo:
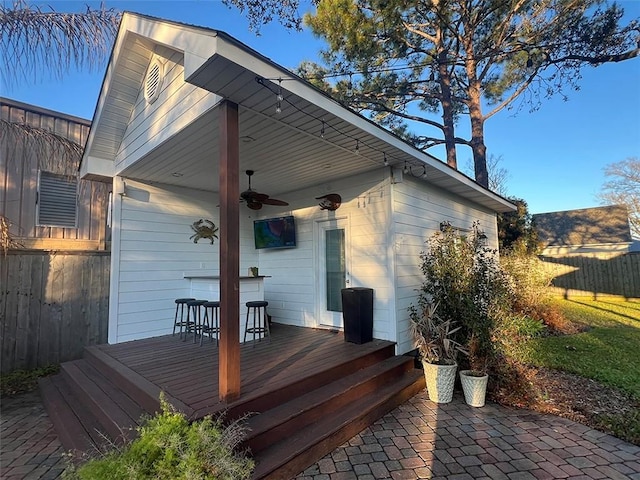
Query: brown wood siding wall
[
  {"x": 20, "y": 163},
  {"x": 52, "y": 305},
  {"x": 595, "y": 274}
]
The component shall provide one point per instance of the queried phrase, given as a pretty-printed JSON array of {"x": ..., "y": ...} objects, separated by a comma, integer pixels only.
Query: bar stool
[
  {"x": 260, "y": 320},
  {"x": 210, "y": 322},
  {"x": 194, "y": 318},
  {"x": 181, "y": 303}
]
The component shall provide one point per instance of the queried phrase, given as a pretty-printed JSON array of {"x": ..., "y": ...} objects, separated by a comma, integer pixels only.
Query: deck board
[{"x": 189, "y": 372}]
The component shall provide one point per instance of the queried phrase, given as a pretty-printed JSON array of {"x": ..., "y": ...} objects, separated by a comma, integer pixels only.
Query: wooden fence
[
  {"x": 52, "y": 304},
  {"x": 595, "y": 275}
]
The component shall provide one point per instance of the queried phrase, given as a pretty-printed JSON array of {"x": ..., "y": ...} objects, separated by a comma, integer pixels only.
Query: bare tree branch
[{"x": 623, "y": 188}]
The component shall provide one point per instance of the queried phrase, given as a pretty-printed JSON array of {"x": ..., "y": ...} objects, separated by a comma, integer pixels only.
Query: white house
[{"x": 184, "y": 112}]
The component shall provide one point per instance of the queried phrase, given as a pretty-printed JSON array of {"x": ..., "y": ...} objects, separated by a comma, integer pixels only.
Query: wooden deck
[
  {"x": 308, "y": 391},
  {"x": 189, "y": 373}
]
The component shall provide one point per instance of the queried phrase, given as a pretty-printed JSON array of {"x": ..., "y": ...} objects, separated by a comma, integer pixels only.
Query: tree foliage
[
  {"x": 516, "y": 231},
  {"x": 38, "y": 42},
  {"x": 623, "y": 188},
  {"x": 261, "y": 12},
  {"x": 406, "y": 62}
]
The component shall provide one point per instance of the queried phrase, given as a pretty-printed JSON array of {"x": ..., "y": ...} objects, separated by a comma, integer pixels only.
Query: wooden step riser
[
  {"x": 71, "y": 433},
  {"x": 283, "y": 395},
  {"x": 317, "y": 412},
  {"x": 313, "y": 453},
  {"x": 114, "y": 422},
  {"x": 147, "y": 399}
]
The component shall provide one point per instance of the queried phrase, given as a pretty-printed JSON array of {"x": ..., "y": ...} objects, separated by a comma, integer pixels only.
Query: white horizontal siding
[
  {"x": 292, "y": 291},
  {"x": 178, "y": 104},
  {"x": 153, "y": 250},
  {"x": 418, "y": 209}
]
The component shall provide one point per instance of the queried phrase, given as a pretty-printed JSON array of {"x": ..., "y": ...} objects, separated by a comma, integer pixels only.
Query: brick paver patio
[
  {"x": 29, "y": 446},
  {"x": 419, "y": 439}
]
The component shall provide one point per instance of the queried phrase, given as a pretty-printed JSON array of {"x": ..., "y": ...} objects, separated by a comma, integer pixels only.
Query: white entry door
[{"x": 333, "y": 270}]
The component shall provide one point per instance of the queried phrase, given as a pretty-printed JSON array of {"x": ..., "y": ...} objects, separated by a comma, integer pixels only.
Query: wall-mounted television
[{"x": 277, "y": 232}]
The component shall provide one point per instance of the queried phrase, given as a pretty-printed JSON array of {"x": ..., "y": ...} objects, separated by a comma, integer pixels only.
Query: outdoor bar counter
[{"x": 207, "y": 287}]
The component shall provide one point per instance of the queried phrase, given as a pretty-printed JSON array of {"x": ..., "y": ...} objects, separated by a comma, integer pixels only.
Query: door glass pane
[{"x": 335, "y": 268}]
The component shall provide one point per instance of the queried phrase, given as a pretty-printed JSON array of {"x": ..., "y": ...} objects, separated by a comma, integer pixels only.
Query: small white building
[{"x": 184, "y": 112}]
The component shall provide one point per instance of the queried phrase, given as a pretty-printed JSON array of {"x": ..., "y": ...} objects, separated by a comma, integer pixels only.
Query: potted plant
[
  {"x": 474, "y": 380},
  {"x": 438, "y": 350}
]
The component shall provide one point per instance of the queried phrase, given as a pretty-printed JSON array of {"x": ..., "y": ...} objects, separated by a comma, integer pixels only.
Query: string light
[
  {"x": 387, "y": 159},
  {"x": 350, "y": 87},
  {"x": 279, "y": 97}
]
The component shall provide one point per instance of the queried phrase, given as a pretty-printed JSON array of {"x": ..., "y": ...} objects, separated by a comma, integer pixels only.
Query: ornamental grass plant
[
  {"x": 170, "y": 447},
  {"x": 432, "y": 334}
]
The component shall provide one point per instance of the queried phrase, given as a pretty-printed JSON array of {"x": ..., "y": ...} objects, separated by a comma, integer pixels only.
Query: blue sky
[{"x": 555, "y": 156}]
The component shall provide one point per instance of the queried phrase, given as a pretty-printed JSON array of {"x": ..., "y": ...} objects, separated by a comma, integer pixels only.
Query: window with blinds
[{"x": 57, "y": 200}]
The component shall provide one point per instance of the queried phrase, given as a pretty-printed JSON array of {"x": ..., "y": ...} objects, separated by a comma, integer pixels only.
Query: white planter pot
[
  {"x": 440, "y": 381},
  {"x": 474, "y": 388}
]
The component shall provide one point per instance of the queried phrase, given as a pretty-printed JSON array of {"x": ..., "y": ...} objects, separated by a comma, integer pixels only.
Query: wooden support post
[{"x": 229, "y": 344}]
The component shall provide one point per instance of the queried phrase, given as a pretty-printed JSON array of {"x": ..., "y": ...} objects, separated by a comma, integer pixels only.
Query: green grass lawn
[{"x": 609, "y": 351}]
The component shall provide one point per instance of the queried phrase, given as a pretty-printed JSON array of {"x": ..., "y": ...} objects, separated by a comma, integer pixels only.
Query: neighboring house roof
[
  {"x": 27, "y": 107},
  {"x": 588, "y": 226},
  {"x": 217, "y": 63}
]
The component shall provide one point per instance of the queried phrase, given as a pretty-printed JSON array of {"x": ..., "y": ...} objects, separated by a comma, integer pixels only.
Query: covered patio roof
[{"x": 312, "y": 141}]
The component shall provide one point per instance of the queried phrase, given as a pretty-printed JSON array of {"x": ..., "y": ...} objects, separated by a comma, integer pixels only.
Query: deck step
[
  {"x": 88, "y": 411},
  {"x": 139, "y": 389},
  {"x": 78, "y": 430},
  {"x": 291, "y": 455},
  {"x": 300, "y": 417},
  {"x": 259, "y": 401},
  {"x": 115, "y": 411},
  {"x": 284, "y": 420}
]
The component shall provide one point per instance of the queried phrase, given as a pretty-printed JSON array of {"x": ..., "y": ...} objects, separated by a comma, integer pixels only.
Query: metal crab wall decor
[{"x": 203, "y": 229}]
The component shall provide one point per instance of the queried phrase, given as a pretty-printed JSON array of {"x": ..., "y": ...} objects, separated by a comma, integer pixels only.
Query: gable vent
[{"x": 153, "y": 82}]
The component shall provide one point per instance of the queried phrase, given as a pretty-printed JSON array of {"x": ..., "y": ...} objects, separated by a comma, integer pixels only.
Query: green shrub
[
  {"x": 21, "y": 381},
  {"x": 514, "y": 330},
  {"x": 531, "y": 295},
  {"x": 531, "y": 280},
  {"x": 464, "y": 278},
  {"x": 169, "y": 446}
]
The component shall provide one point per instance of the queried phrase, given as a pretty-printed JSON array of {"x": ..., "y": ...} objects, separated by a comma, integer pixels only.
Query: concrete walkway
[{"x": 419, "y": 439}]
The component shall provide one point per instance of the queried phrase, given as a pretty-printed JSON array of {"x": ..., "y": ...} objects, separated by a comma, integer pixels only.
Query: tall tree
[
  {"x": 623, "y": 188},
  {"x": 402, "y": 61}
]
